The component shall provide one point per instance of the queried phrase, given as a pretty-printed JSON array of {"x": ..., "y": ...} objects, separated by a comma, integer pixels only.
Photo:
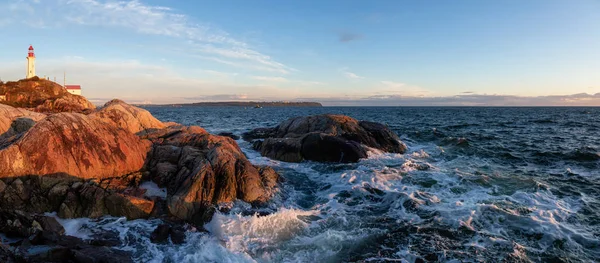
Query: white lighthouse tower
[{"x": 30, "y": 63}]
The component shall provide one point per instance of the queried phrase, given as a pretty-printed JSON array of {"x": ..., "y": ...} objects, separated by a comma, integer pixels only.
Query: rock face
[
  {"x": 91, "y": 165},
  {"x": 324, "y": 138},
  {"x": 43, "y": 96},
  {"x": 200, "y": 170},
  {"x": 74, "y": 144}
]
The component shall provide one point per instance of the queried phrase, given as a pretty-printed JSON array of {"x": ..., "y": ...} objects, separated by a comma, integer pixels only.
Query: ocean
[{"x": 476, "y": 185}]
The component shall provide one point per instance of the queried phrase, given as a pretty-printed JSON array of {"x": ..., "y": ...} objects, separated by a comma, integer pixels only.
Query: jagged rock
[
  {"x": 21, "y": 224},
  {"x": 51, "y": 247},
  {"x": 43, "y": 96},
  {"x": 130, "y": 118},
  {"x": 74, "y": 144},
  {"x": 323, "y": 138},
  {"x": 201, "y": 170}
]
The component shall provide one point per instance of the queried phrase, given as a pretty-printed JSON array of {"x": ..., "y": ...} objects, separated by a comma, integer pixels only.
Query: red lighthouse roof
[
  {"x": 30, "y": 47},
  {"x": 72, "y": 87}
]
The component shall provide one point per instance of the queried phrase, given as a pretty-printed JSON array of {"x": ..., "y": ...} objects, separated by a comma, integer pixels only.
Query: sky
[{"x": 338, "y": 52}]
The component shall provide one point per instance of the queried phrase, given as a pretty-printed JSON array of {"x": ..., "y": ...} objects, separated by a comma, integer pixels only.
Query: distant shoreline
[{"x": 254, "y": 104}]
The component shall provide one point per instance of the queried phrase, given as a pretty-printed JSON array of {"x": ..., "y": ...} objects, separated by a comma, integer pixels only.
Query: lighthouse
[{"x": 30, "y": 63}]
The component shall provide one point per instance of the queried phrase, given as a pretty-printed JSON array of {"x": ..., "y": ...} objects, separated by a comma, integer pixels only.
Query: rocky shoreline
[{"x": 78, "y": 161}]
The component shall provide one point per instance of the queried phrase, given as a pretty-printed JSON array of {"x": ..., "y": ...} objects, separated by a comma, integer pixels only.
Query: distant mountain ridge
[{"x": 241, "y": 104}]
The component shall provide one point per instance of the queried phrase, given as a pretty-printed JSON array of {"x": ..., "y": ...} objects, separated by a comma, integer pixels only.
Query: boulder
[
  {"x": 324, "y": 138},
  {"x": 125, "y": 116},
  {"x": 200, "y": 170},
  {"x": 74, "y": 144}
]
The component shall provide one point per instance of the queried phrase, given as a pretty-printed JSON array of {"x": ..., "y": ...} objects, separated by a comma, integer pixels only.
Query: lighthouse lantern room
[{"x": 30, "y": 63}]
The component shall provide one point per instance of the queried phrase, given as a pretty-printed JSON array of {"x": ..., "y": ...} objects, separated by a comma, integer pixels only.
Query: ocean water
[{"x": 477, "y": 185}]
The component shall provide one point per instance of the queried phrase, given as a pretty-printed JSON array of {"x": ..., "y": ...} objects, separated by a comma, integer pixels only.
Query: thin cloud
[
  {"x": 393, "y": 84},
  {"x": 273, "y": 79},
  {"x": 349, "y": 74},
  {"x": 346, "y": 37}
]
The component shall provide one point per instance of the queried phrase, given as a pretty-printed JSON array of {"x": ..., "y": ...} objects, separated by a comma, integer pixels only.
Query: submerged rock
[{"x": 324, "y": 138}]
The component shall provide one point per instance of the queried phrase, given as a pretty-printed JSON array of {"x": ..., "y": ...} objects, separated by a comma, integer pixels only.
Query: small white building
[{"x": 73, "y": 89}]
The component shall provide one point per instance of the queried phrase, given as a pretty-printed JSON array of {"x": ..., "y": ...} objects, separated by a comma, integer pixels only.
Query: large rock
[
  {"x": 201, "y": 170},
  {"x": 77, "y": 145},
  {"x": 43, "y": 96},
  {"x": 324, "y": 138},
  {"x": 9, "y": 114},
  {"x": 130, "y": 118},
  {"x": 91, "y": 165}
]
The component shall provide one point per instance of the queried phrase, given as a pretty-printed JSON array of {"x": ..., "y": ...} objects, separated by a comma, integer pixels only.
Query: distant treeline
[{"x": 243, "y": 104}]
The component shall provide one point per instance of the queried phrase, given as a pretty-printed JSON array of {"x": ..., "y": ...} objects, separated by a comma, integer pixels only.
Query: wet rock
[
  {"x": 177, "y": 235},
  {"x": 160, "y": 234},
  {"x": 324, "y": 138},
  {"x": 51, "y": 247}
]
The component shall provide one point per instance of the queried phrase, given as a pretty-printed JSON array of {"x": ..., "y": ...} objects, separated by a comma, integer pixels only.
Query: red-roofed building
[{"x": 73, "y": 89}]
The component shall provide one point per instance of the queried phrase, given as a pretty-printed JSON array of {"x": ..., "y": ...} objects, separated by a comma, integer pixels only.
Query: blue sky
[{"x": 341, "y": 52}]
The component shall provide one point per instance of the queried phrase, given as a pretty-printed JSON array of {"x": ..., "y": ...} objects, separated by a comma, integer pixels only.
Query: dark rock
[
  {"x": 52, "y": 247},
  {"x": 177, "y": 235},
  {"x": 326, "y": 148},
  {"x": 50, "y": 224},
  {"x": 160, "y": 234},
  {"x": 230, "y": 135},
  {"x": 6, "y": 254},
  {"x": 323, "y": 138},
  {"x": 101, "y": 255}
]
